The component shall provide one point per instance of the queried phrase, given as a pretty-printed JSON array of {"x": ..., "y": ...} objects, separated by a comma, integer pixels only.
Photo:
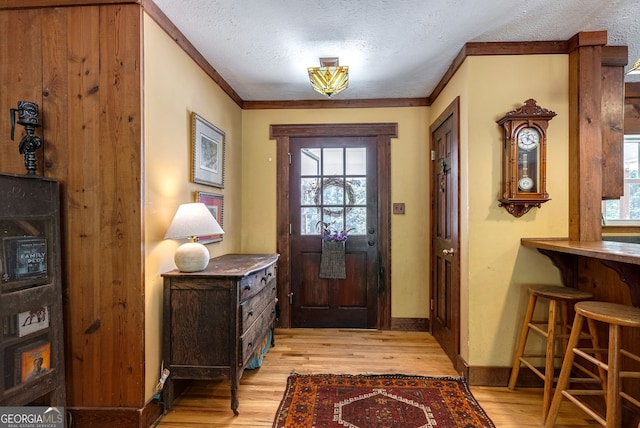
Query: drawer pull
[
  {"x": 264, "y": 278},
  {"x": 247, "y": 288},
  {"x": 250, "y": 314}
]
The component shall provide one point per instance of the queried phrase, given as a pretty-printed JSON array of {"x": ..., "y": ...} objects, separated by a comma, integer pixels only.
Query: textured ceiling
[{"x": 394, "y": 48}]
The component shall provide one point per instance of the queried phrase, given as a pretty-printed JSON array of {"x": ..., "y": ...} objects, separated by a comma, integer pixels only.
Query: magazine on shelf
[
  {"x": 25, "y": 257},
  {"x": 32, "y": 360},
  {"x": 26, "y": 360},
  {"x": 32, "y": 321}
]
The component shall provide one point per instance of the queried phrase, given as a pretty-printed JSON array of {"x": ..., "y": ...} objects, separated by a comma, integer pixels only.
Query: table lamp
[{"x": 192, "y": 220}]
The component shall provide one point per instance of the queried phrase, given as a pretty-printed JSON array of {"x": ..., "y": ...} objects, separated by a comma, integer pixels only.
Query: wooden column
[
  {"x": 585, "y": 135},
  {"x": 82, "y": 64}
]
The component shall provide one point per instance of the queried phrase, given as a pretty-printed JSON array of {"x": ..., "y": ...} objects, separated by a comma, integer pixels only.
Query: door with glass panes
[{"x": 333, "y": 184}]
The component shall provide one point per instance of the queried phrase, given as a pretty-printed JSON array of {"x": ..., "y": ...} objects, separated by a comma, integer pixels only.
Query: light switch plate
[{"x": 398, "y": 208}]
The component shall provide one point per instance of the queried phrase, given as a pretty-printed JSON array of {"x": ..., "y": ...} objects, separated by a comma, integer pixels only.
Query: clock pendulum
[{"x": 526, "y": 182}]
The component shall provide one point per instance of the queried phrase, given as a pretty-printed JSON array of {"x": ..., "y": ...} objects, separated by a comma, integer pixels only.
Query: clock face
[
  {"x": 528, "y": 138},
  {"x": 525, "y": 183}
]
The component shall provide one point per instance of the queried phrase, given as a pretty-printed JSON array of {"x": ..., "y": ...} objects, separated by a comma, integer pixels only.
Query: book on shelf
[
  {"x": 10, "y": 326},
  {"x": 25, "y": 257}
]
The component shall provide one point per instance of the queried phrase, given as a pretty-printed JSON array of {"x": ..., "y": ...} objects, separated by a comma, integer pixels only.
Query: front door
[
  {"x": 333, "y": 186},
  {"x": 445, "y": 278}
]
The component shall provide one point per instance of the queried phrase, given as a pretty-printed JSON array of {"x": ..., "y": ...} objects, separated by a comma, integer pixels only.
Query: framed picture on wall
[
  {"x": 215, "y": 203},
  {"x": 208, "y": 152}
]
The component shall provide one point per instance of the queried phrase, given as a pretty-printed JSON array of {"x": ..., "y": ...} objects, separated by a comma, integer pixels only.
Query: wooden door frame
[
  {"x": 453, "y": 111},
  {"x": 383, "y": 132}
]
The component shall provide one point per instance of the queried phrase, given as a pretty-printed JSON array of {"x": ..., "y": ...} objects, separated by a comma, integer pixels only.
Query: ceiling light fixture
[
  {"x": 330, "y": 78},
  {"x": 635, "y": 69}
]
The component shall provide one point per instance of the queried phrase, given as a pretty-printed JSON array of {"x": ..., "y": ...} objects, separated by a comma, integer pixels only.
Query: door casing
[{"x": 383, "y": 132}]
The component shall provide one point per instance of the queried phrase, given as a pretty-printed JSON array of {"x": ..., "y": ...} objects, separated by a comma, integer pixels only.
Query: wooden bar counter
[{"x": 611, "y": 271}]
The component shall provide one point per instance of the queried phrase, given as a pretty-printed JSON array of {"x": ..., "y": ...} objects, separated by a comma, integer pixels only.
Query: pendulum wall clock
[{"x": 524, "y": 166}]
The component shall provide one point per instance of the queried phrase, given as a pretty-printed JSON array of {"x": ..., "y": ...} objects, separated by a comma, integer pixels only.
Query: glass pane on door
[{"x": 333, "y": 190}]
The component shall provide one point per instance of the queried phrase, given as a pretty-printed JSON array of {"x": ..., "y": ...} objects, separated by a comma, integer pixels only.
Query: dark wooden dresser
[{"x": 215, "y": 320}]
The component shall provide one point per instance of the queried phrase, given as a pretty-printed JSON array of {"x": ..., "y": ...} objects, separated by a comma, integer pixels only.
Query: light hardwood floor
[{"x": 206, "y": 403}]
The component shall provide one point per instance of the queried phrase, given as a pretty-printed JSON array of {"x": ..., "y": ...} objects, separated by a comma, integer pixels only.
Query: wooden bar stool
[
  {"x": 559, "y": 300},
  {"x": 616, "y": 316}
]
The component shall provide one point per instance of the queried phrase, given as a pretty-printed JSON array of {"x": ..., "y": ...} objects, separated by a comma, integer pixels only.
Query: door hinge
[
  {"x": 433, "y": 304},
  {"x": 289, "y": 158},
  {"x": 290, "y": 229},
  {"x": 433, "y": 155}
]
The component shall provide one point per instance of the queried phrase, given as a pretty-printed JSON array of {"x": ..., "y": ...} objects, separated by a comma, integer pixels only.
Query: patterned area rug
[{"x": 381, "y": 401}]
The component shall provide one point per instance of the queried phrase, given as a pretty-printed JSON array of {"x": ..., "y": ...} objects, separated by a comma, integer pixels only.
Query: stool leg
[
  {"x": 614, "y": 409},
  {"x": 566, "y": 327},
  {"x": 593, "y": 332},
  {"x": 549, "y": 361},
  {"x": 515, "y": 369},
  {"x": 565, "y": 372}
]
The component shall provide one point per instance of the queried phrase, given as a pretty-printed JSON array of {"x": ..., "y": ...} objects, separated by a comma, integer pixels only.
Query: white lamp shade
[
  {"x": 193, "y": 220},
  {"x": 190, "y": 221}
]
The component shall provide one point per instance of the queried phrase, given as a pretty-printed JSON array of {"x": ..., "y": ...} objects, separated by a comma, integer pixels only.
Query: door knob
[{"x": 449, "y": 252}]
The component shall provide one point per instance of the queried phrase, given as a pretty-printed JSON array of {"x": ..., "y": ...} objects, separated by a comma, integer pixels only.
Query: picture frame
[
  {"x": 215, "y": 204},
  {"x": 208, "y": 150}
]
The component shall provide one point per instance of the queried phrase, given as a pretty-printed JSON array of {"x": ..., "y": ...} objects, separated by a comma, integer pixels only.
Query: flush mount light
[
  {"x": 330, "y": 78},
  {"x": 635, "y": 69}
]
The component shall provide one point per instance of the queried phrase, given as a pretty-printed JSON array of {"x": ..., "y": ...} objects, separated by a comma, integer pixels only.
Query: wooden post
[{"x": 585, "y": 135}]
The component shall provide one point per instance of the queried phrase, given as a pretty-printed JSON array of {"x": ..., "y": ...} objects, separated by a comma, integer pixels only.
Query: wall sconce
[
  {"x": 330, "y": 78},
  {"x": 190, "y": 221}
]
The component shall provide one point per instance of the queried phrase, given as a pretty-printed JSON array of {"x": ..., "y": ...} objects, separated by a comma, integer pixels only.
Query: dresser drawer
[
  {"x": 251, "y": 308},
  {"x": 252, "y": 339},
  {"x": 253, "y": 283}
]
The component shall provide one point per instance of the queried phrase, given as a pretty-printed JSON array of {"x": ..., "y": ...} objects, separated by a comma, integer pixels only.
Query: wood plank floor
[{"x": 206, "y": 403}]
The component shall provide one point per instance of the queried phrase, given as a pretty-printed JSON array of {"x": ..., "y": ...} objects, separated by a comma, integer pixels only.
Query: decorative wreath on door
[{"x": 341, "y": 184}]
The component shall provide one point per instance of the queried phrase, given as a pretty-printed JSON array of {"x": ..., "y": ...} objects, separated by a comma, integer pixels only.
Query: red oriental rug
[{"x": 381, "y": 401}]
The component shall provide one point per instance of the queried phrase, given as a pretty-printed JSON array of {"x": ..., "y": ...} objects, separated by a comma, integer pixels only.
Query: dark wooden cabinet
[
  {"x": 31, "y": 334},
  {"x": 215, "y": 320}
]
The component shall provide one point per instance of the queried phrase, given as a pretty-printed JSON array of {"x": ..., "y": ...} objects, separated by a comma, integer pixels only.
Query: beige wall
[
  {"x": 409, "y": 184},
  {"x": 495, "y": 268},
  {"x": 174, "y": 87}
]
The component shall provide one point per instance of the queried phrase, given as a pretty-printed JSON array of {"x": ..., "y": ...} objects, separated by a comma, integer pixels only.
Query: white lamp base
[{"x": 191, "y": 257}]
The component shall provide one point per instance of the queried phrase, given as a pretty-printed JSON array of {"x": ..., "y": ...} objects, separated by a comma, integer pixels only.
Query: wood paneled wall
[{"x": 82, "y": 65}]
